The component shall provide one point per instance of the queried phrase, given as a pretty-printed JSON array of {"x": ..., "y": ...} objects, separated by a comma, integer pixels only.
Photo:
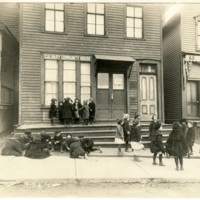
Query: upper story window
[
  {"x": 54, "y": 17},
  {"x": 134, "y": 22},
  {"x": 95, "y": 19}
]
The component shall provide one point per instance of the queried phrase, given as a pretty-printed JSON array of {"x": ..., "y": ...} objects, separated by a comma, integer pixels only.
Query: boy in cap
[{"x": 52, "y": 111}]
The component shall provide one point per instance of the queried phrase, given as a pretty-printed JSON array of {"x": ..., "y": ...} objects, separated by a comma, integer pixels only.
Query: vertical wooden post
[{"x": 1, "y": 45}]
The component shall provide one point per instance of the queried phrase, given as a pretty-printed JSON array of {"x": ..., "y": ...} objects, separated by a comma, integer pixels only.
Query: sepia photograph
[{"x": 99, "y": 99}]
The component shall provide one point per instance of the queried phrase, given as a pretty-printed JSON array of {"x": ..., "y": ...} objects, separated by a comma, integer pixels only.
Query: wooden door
[
  {"x": 192, "y": 99},
  {"x": 148, "y": 96},
  {"x": 111, "y": 96}
]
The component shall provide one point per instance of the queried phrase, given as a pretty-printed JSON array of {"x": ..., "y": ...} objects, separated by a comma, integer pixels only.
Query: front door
[
  {"x": 111, "y": 95},
  {"x": 192, "y": 99},
  {"x": 148, "y": 96}
]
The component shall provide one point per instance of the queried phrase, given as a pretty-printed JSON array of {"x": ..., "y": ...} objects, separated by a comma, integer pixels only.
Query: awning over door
[{"x": 114, "y": 63}]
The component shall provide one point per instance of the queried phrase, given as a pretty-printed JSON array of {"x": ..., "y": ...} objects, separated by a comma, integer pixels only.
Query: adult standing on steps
[
  {"x": 127, "y": 130},
  {"x": 67, "y": 111}
]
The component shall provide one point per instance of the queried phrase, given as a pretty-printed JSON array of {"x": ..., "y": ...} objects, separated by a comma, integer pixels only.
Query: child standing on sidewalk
[
  {"x": 127, "y": 130},
  {"x": 135, "y": 138},
  {"x": 119, "y": 136},
  {"x": 152, "y": 126},
  {"x": 157, "y": 145},
  {"x": 190, "y": 137},
  {"x": 176, "y": 145}
]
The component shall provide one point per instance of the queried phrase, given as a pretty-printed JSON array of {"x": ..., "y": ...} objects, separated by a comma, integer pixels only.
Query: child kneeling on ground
[{"x": 157, "y": 145}]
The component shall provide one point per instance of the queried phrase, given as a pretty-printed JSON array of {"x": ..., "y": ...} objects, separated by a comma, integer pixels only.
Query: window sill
[
  {"x": 100, "y": 36},
  {"x": 55, "y": 33},
  {"x": 129, "y": 38}
]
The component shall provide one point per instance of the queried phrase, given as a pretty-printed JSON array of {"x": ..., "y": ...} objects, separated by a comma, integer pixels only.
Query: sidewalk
[{"x": 97, "y": 168}]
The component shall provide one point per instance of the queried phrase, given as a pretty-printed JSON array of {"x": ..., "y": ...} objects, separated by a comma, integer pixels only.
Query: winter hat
[
  {"x": 27, "y": 132},
  {"x": 43, "y": 133},
  {"x": 137, "y": 115},
  {"x": 176, "y": 126},
  {"x": 125, "y": 116},
  {"x": 56, "y": 132},
  {"x": 119, "y": 121},
  {"x": 158, "y": 125},
  {"x": 53, "y": 99}
]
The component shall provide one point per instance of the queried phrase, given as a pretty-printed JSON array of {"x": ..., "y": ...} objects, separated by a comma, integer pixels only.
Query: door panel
[
  {"x": 192, "y": 99},
  {"x": 111, "y": 96},
  {"x": 148, "y": 96}
]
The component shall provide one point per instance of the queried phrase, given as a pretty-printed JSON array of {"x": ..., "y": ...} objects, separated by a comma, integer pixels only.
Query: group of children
[
  {"x": 69, "y": 110},
  {"x": 178, "y": 145}
]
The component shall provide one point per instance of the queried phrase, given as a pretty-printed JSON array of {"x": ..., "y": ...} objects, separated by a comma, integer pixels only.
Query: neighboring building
[
  {"x": 181, "y": 54},
  {"x": 9, "y": 62},
  {"x": 111, "y": 52}
]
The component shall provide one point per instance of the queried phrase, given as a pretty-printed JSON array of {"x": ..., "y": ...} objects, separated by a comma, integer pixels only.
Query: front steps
[{"x": 102, "y": 134}]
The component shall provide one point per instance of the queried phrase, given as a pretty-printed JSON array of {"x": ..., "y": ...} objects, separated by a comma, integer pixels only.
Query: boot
[
  {"x": 176, "y": 162},
  {"x": 181, "y": 163},
  {"x": 160, "y": 160},
  {"x": 154, "y": 159}
]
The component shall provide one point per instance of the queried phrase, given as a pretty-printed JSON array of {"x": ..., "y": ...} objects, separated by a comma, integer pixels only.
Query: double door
[{"x": 111, "y": 95}]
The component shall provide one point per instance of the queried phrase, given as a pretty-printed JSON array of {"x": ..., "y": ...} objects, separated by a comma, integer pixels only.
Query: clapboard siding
[
  {"x": 75, "y": 42},
  {"x": 188, "y": 27},
  {"x": 172, "y": 71},
  {"x": 9, "y": 15}
]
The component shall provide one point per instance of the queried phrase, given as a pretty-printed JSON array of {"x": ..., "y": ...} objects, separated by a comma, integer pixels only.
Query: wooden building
[
  {"x": 9, "y": 61},
  {"x": 181, "y": 58},
  {"x": 111, "y": 52}
]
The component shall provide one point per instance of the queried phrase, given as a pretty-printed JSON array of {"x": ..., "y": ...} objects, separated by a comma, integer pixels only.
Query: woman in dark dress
[
  {"x": 52, "y": 111},
  {"x": 67, "y": 111},
  {"x": 60, "y": 112},
  {"x": 176, "y": 145},
  {"x": 92, "y": 108}
]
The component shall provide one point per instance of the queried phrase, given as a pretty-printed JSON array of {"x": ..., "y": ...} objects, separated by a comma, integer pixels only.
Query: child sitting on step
[
  {"x": 119, "y": 136},
  {"x": 57, "y": 141},
  {"x": 157, "y": 145}
]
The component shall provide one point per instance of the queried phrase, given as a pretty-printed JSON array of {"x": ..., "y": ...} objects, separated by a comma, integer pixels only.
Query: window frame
[
  {"x": 105, "y": 21},
  {"x": 143, "y": 22},
  {"x": 44, "y": 20},
  {"x": 197, "y": 19}
]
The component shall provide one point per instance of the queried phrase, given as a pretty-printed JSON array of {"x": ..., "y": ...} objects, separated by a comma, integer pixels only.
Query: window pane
[
  {"x": 85, "y": 90},
  {"x": 85, "y": 80},
  {"x": 138, "y": 12},
  {"x": 69, "y": 75},
  {"x": 91, "y": 29},
  {"x": 49, "y": 26},
  {"x": 69, "y": 65},
  {"x": 130, "y": 32},
  {"x": 59, "y": 16},
  {"x": 69, "y": 88},
  {"x": 129, "y": 22},
  {"x": 85, "y": 68},
  {"x": 100, "y": 8},
  {"x": 103, "y": 81},
  {"x": 51, "y": 75},
  {"x": 138, "y": 33},
  {"x": 59, "y": 27},
  {"x": 100, "y": 30},
  {"x": 130, "y": 11},
  {"x": 51, "y": 64},
  {"x": 50, "y": 15},
  {"x": 49, "y": 5},
  {"x": 51, "y": 87},
  {"x": 138, "y": 23},
  {"x": 91, "y": 19},
  {"x": 91, "y": 7},
  {"x": 100, "y": 19},
  {"x": 118, "y": 81},
  {"x": 59, "y": 6}
]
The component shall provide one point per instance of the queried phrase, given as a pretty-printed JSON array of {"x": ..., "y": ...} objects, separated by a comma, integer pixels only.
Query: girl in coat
[
  {"x": 77, "y": 114},
  {"x": 85, "y": 112},
  {"x": 52, "y": 111},
  {"x": 57, "y": 141},
  {"x": 157, "y": 145},
  {"x": 176, "y": 145},
  {"x": 92, "y": 110},
  {"x": 152, "y": 126},
  {"x": 67, "y": 111},
  {"x": 119, "y": 136},
  {"x": 135, "y": 137},
  {"x": 127, "y": 130},
  {"x": 60, "y": 112},
  {"x": 190, "y": 137}
]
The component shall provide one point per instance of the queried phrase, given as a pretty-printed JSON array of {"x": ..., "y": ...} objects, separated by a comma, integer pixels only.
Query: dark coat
[
  {"x": 77, "y": 108},
  {"x": 92, "y": 107},
  {"x": 176, "y": 144},
  {"x": 37, "y": 150},
  {"x": 184, "y": 130},
  {"x": 67, "y": 110},
  {"x": 152, "y": 130},
  {"x": 135, "y": 134},
  {"x": 126, "y": 129},
  {"x": 60, "y": 112},
  {"x": 190, "y": 136},
  {"x": 12, "y": 148},
  {"x": 52, "y": 111},
  {"x": 76, "y": 150},
  {"x": 157, "y": 143}
]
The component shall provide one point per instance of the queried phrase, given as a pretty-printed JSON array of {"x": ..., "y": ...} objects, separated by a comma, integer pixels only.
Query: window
[
  {"x": 54, "y": 17},
  {"x": 134, "y": 22},
  {"x": 51, "y": 80},
  {"x": 85, "y": 81},
  {"x": 147, "y": 68},
  {"x": 66, "y": 78},
  {"x": 69, "y": 79},
  {"x": 95, "y": 19}
]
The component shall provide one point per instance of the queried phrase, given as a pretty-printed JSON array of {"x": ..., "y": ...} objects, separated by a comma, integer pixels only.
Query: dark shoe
[
  {"x": 188, "y": 155},
  {"x": 177, "y": 169},
  {"x": 181, "y": 169},
  {"x": 154, "y": 163},
  {"x": 161, "y": 164}
]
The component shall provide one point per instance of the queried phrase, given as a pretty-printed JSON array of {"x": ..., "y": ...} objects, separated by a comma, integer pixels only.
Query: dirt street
[{"x": 103, "y": 190}]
